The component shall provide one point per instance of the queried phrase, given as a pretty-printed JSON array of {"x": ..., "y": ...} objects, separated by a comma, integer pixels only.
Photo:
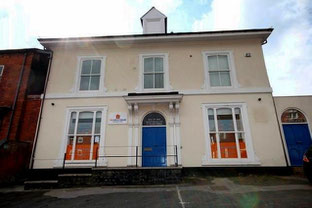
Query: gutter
[
  {"x": 32, "y": 157},
  {"x": 5, "y": 140}
]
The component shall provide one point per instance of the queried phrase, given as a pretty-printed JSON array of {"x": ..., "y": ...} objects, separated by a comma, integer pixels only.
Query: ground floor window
[
  {"x": 227, "y": 133},
  {"x": 83, "y": 135}
]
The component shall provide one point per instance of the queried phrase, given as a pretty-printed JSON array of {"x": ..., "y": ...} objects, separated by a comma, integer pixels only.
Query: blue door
[
  {"x": 298, "y": 140},
  {"x": 154, "y": 147}
]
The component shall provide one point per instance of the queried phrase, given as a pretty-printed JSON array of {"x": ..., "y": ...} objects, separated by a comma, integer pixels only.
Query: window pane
[
  {"x": 69, "y": 148},
  {"x": 242, "y": 145},
  {"x": 96, "y": 67},
  {"x": 211, "y": 119},
  {"x": 238, "y": 118},
  {"x": 159, "y": 80},
  {"x": 84, "y": 83},
  {"x": 225, "y": 119},
  {"x": 148, "y": 81},
  {"x": 95, "y": 82},
  {"x": 228, "y": 145},
  {"x": 159, "y": 65},
  {"x": 214, "y": 78},
  {"x": 83, "y": 147},
  {"x": 223, "y": 62},
  {"x": 214, "y": 146},
  {"x": 212, "y": 63},
  {"x": 85, "y": 123},
  {"x": 148, "y": 64},
  {"x": 86, "y": 67},
  {"x": 225, "y": 79},
  {"x": 72, "y": 123},
  {"x": 98, "y": 122}
]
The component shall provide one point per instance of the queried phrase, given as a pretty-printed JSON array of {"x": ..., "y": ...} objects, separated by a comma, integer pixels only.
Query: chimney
[{"x": 154, "y": 22}]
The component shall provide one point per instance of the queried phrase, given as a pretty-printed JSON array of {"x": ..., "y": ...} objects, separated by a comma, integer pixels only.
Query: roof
[
  {"x": 22, "y": 50},
  {"x": 205, "y": 35}
]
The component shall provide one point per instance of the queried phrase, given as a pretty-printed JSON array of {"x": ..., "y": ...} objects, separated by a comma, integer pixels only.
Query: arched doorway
[
  {"x": 297, "y": 135},
  {"x": 154, "y": 144}
]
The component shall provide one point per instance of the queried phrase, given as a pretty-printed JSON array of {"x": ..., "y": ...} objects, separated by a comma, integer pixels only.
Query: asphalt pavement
[{"x": 246, "y": 191}]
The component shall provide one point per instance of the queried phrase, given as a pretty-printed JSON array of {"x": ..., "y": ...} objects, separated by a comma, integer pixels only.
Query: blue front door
[
  {"x": 154, "y": 147},
  {"x": 298, "y": 140}
]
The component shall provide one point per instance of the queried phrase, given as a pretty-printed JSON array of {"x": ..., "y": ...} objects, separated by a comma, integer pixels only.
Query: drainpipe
[
  {"x": 32, "y": 157},
  {"x": 3, "y": 141},
  {"x": 280, "y": 131}
]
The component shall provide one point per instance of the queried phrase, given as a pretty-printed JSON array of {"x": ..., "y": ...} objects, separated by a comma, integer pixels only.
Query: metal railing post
[
  {"x": 64, "y": 160},
  {"x": 176, "y": 150},
  {"x": 136, "y": 156},
  {"x": 96, "y": 156}
]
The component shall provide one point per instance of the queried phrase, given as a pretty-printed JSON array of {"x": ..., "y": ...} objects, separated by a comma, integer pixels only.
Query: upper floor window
[
  {"x": 91, "y": 74},
  {"x": 154, "y": 72},
  {"x": 218, "y": 69},
  {"x": 1, "y": 70}
]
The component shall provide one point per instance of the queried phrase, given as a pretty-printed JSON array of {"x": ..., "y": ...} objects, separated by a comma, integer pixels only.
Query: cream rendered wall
[
  {"x": 262, "y": 121},
  {"x": 186, "y": 68}
]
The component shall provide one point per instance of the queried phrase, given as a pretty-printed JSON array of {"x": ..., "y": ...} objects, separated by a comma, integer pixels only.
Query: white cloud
[{"x": 288, "y": 50}]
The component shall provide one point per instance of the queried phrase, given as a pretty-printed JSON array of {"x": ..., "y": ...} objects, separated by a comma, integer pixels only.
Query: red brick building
[{"x": 22, "y": 82}]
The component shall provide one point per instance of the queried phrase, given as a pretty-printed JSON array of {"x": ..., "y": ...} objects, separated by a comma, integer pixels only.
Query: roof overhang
[
  {"x": 262, "y": 34},
  {"x": 152, "y": 98}
]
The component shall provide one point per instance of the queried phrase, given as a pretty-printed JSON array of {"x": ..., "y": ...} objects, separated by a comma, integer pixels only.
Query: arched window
[
  {"x": 154, "y": 119},
  {"x": 293, "y": 116}
]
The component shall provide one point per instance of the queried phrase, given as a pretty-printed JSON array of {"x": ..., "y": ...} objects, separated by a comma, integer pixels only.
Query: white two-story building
[{"x": 197, "y": 99}]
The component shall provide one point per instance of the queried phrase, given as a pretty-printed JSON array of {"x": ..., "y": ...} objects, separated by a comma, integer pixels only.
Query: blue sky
[{"x": 288, "y": 53}]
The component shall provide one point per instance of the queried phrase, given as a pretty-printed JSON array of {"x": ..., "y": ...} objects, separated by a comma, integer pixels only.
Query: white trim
[
  {"x": 140, "y": 87},
  {"x": 78, "y": 75},
  {"x": 184, "y": 92},
  {"x": 251, "y": 157},
  {"x": 211, "y": 36},
  {"x": 1, "y": 72},
  {"x": 63, "y": 145},
  {"x": 229, "y": 54}
]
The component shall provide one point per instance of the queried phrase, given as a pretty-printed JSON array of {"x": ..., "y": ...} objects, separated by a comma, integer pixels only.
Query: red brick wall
[{"x": 14, "y": 157}]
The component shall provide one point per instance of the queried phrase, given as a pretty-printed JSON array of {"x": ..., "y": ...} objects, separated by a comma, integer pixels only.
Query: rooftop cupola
[{"x": 154, "y": 21}]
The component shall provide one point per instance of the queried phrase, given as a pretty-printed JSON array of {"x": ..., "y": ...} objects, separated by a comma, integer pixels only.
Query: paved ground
[{"x": 248, "y": 191}]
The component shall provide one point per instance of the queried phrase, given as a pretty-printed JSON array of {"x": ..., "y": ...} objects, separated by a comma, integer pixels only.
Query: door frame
[{"x": 282, "y": 130}]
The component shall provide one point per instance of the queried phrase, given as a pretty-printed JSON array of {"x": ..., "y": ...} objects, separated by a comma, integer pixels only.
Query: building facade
[
  {"x": 22, "y": 80},
  {"x": 159, "y": 99},
  {"x": 295, "y": 114}
]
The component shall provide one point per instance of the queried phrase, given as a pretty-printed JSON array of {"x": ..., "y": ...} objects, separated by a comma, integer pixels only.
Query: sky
[{"x": 288, "y": 53}]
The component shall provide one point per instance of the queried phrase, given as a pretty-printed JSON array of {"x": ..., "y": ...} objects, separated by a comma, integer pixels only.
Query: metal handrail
[{"x": 128, "y": 156}]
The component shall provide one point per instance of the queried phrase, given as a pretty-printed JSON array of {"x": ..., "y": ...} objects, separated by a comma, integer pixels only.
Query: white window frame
[
  {"x": 166, "y": 72},
  {"x": 251, "y": 157},
  {"x": 1, "y": 73},
  {"x": 230, "y": 56},
  {"x": 102, "y": 73},
  {"x": 101, "y": 160}
]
